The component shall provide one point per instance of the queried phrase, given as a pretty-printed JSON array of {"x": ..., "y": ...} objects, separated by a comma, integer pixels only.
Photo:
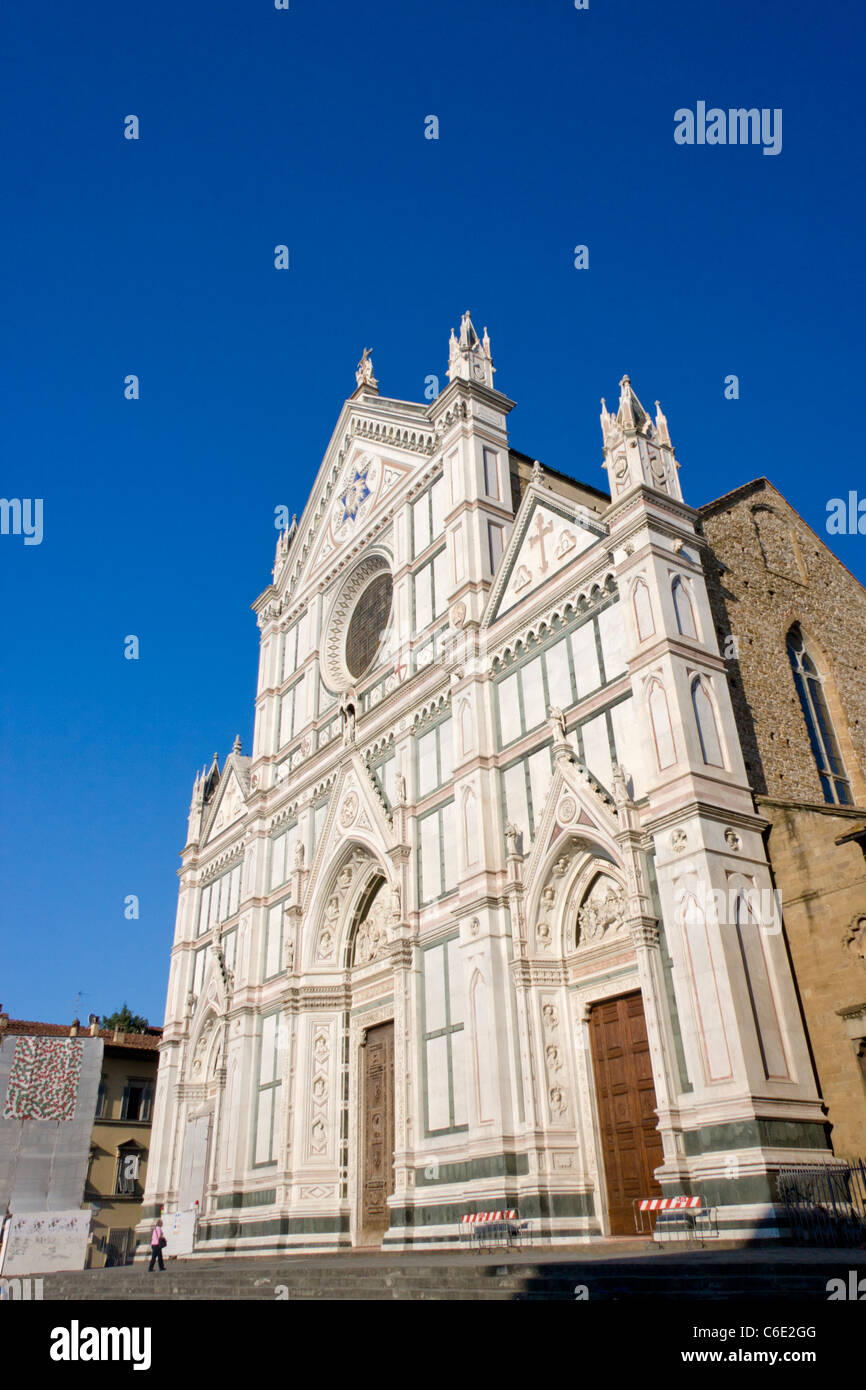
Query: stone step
[{"x": 335, "y": 1278}]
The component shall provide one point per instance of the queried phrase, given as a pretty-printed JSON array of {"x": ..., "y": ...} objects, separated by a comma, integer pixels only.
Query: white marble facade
[{"x": 530, "y": 801}]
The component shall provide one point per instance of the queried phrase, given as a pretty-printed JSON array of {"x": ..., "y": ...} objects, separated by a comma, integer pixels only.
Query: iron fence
[{"x": 825, "y": 1203}]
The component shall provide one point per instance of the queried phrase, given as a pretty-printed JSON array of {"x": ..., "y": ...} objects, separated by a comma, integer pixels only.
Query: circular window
[{"x": 367, "y": 625}]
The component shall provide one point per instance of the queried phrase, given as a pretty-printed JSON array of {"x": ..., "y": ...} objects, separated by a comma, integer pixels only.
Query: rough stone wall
[
  {"x": 766, "y": 571},
  {"x": 831, "y": 880}
]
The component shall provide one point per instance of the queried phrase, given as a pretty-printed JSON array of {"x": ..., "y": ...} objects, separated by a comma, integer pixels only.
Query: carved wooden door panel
[
  {"x": 377, "y": 1177},
  {"x": 625, "y": 1091}
]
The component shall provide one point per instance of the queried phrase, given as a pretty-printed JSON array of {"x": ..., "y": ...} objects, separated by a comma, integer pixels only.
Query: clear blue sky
[{"x": 155, "y": 257}]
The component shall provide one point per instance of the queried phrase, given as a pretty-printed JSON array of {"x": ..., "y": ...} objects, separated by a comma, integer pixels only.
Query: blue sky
[{"x": 156, "y": 257}]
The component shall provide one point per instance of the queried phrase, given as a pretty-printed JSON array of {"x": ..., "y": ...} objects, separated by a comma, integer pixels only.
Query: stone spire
[
  {"x": 236, "y": 746},
  {"x": 469, "y": 356},
  {"x": 211, "y": 778},
  {"x": 637, "y": 451},
  {"x": 196, "y": 806},
  {"x": 661, "y": 426},
  {"x": 284, "y": 541},
  {"x": 631, "y": 414}
]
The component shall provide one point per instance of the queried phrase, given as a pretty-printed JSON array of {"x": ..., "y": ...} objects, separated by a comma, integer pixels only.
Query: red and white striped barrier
[
  {"x": 667, "y": 1203},
  {"x": 475, "y": 1216}
]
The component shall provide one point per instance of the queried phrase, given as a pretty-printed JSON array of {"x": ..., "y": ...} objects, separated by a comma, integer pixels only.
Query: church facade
[{"x": 486, "y": 919}]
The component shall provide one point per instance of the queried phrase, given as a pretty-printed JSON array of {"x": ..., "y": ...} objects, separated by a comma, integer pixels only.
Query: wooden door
[
  {"x": 377, "y": 1178},
  {"x": 626, "y": 1096}
]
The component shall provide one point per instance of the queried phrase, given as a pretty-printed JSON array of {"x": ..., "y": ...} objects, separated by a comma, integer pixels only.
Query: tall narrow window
[
  {"x": 661, "y": 723},
  {"x": 128, "y": 1171},
  {"x": 643, "y": 611},
  {"x": 760, "y": 989},
  {"x": 705, "y": 718},
  {"x": 137, "y": 1100},
  {"x": 822, "y": 736},
  {"x": 470, "y": 826},
  {"x": 496, "y": 543},
  {"x": 683, "y": 609},
  {"x": 491, "y": 473}
]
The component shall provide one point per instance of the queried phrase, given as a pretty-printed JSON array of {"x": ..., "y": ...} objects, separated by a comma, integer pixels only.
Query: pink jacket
[{"x": 155, "y": 1237}]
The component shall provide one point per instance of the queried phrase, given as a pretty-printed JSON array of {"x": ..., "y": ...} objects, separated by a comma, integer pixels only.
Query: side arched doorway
[
  {"x": 583, "y": 909},
  {"x": 377, "y": 1132},
  {"x": 368, "y": 960}
]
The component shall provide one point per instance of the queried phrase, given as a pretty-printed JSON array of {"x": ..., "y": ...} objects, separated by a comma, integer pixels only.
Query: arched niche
[
  {"x": 573, "y": 866},
  {"x": 369, "y": 936},
  {"x": 206, "y": 1051}
]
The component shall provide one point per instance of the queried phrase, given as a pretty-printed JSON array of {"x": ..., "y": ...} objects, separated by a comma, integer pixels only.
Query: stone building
[
  {"x": 798, "y": 688},
  {"x": 481, "y": 922},
  {"x": 121, "y": 1139}
]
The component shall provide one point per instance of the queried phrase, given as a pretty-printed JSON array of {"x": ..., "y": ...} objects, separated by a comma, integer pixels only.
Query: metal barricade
[
  {"x": 825, "y": 1203},
  {"x": 671, "y": 1219},
  {"x": 488, "y": 1230}
]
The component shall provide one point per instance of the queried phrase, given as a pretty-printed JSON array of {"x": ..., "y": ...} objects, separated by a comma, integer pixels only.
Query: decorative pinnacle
[{"x": 236, "y": 746}]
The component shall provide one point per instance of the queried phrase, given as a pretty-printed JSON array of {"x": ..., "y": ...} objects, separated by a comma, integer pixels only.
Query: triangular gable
[
  {"x": 230, "y": 803},
  {"x": 549, "y": 533},
  {"x": 395, "y": 436},
  {"x": 363, "y": 483},
  {"x": 577, "y": 806},
  {"x": 213, "y": 996},
  {"x": 356, "y": 811}
]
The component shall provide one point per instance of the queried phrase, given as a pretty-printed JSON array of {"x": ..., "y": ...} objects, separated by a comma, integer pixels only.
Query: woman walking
[{"x": 157, "y": 1244}]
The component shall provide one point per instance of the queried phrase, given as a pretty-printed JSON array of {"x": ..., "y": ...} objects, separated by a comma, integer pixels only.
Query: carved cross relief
[{"x": 542, "y": 529}]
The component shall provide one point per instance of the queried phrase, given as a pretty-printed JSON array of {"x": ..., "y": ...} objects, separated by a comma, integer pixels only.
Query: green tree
[{"x": 124, "y": 1021}]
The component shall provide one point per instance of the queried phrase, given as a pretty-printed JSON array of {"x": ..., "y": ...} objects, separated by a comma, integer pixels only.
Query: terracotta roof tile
[{"x": 135, "y": 1042}]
